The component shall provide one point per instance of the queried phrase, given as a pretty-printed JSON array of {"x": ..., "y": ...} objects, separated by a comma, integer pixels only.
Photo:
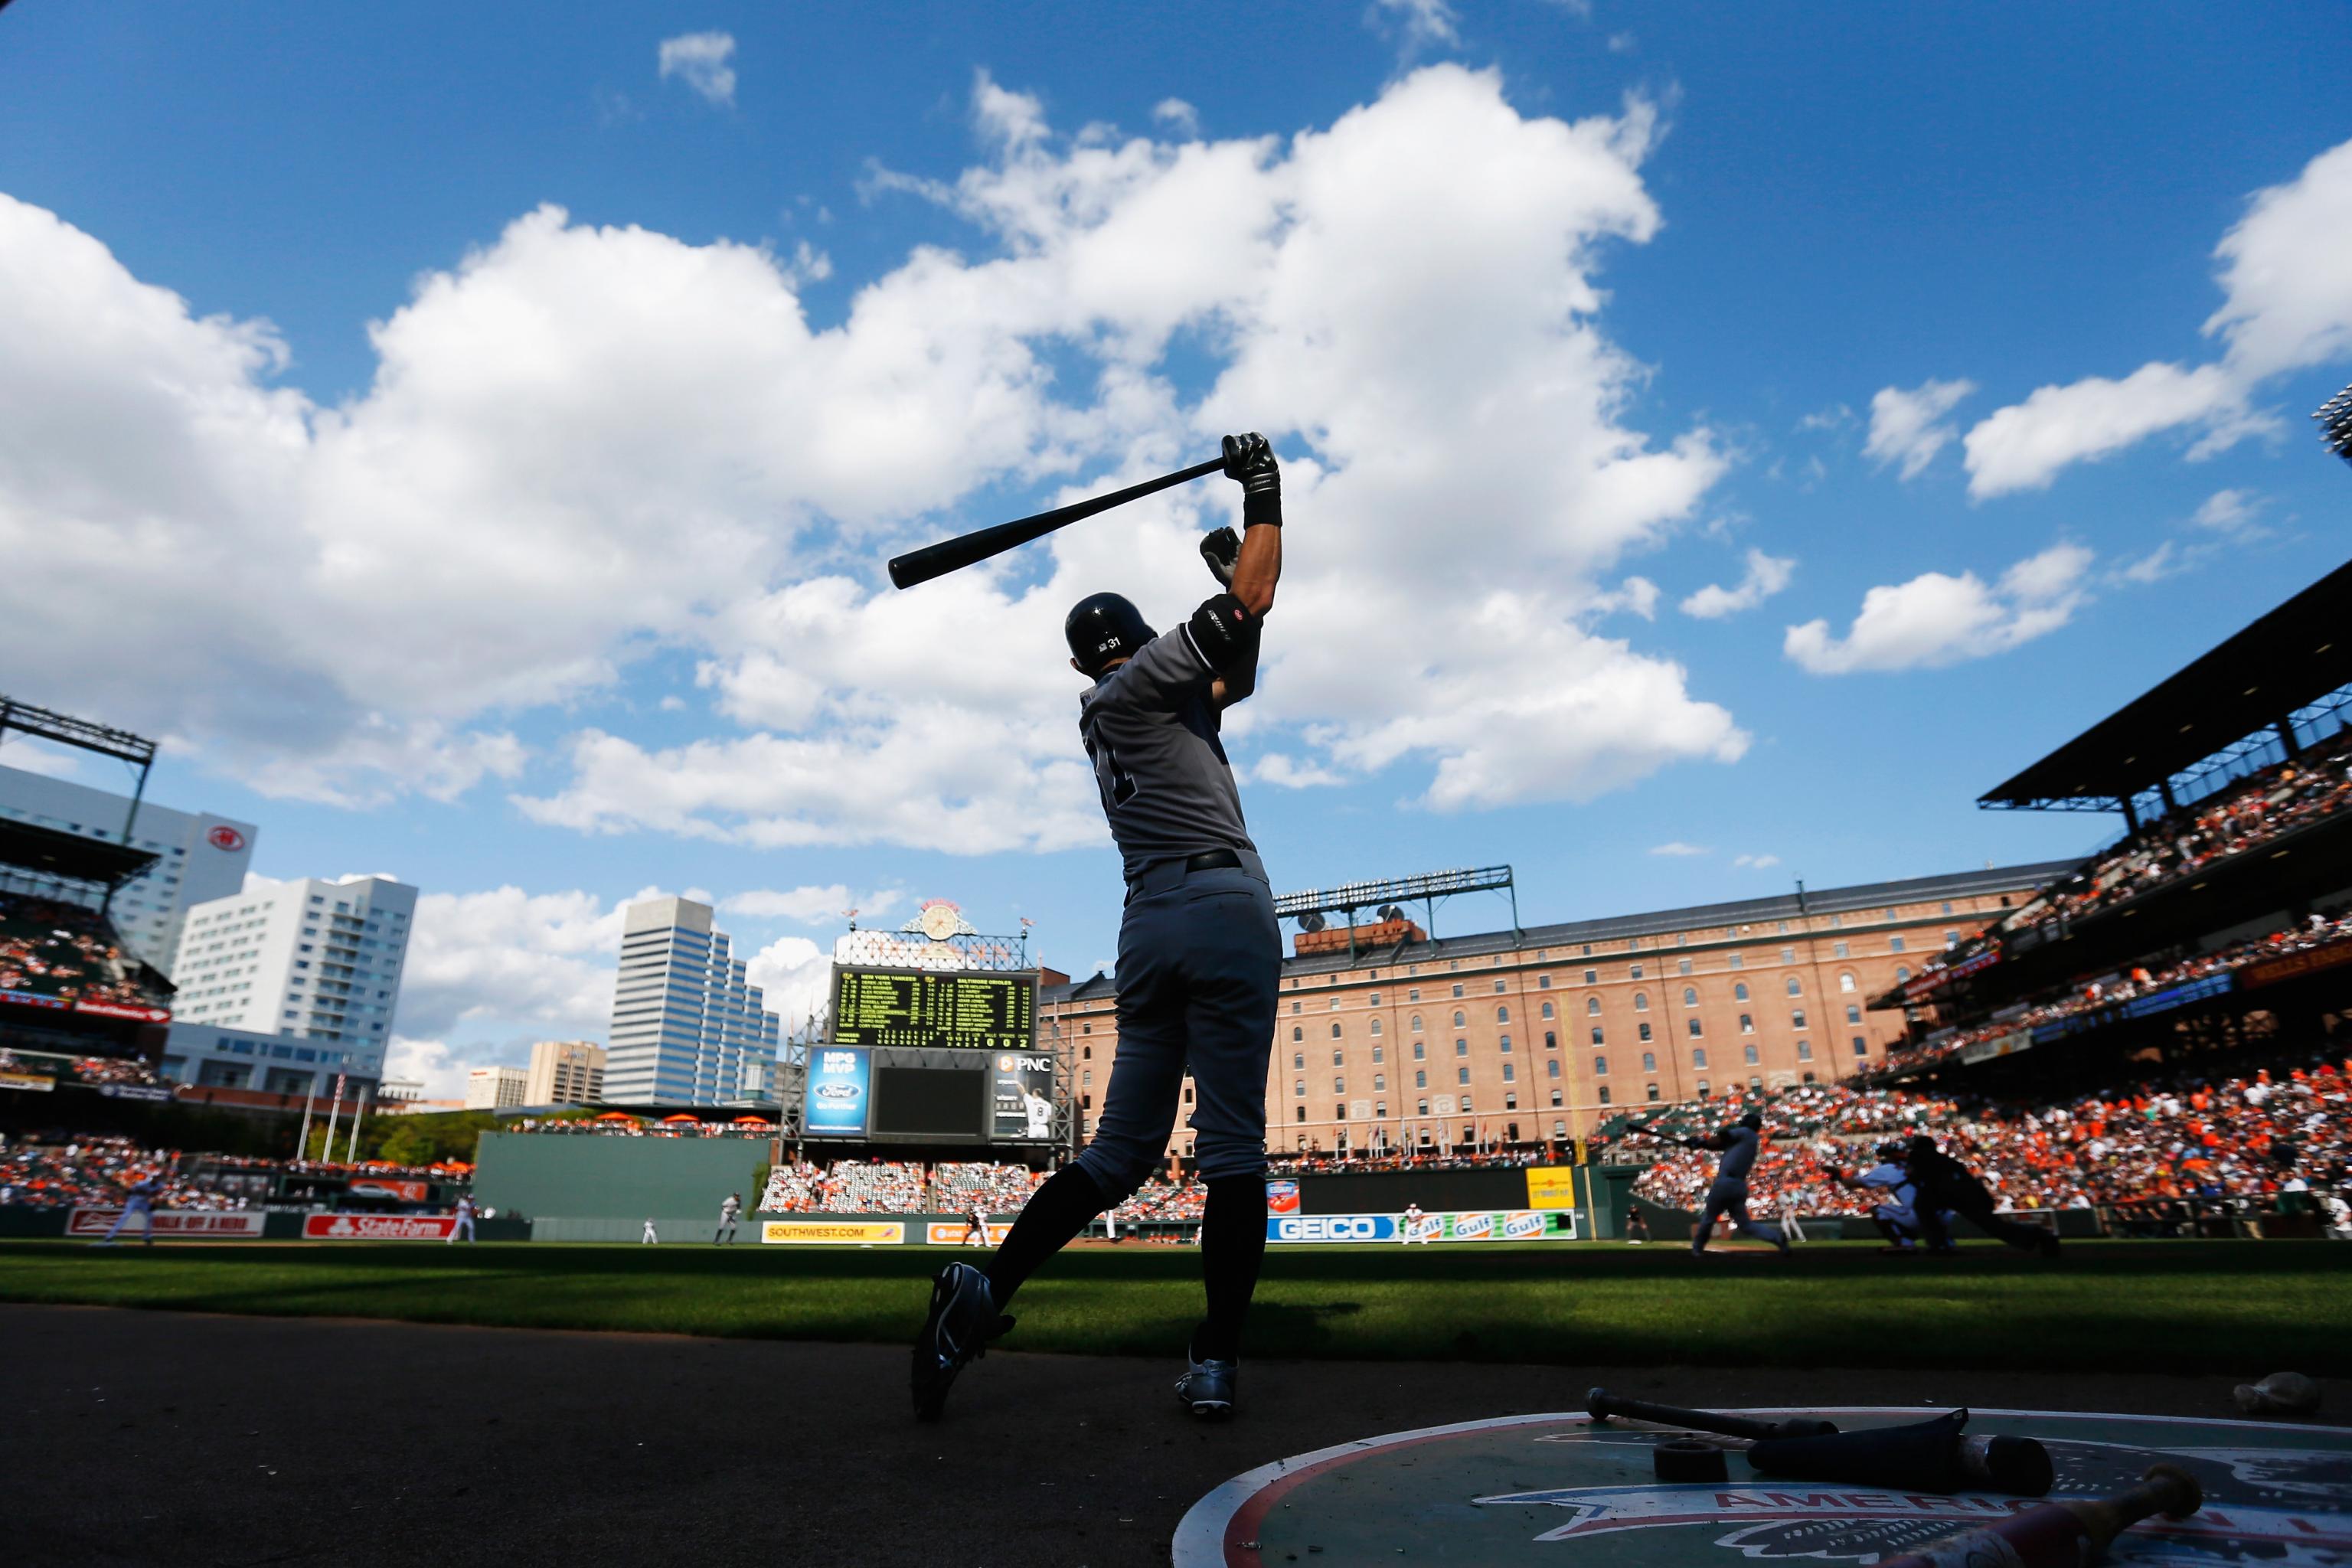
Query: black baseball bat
[
  {"x": 1603, "y": 1404},
  {"x": 952, "y": 554}
]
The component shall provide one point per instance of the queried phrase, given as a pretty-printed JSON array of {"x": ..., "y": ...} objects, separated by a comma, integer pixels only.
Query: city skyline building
[
  {"x": 565, "y": 1072},
  {"x": 312, "y": 961},
  {"x": 495, "y": 1087},
  {"x": 686, "y": 1022},
  {"x": 200, "y": 856}
]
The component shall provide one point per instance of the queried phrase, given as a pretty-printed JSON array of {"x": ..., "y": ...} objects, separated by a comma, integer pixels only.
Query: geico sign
[{"x": 1331, "y": 1227}]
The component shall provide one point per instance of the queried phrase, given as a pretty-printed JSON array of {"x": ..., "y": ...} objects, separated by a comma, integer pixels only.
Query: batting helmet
[
  {"x": 1753, "y": 1121},
  {"x": 1102, "y": 627}
]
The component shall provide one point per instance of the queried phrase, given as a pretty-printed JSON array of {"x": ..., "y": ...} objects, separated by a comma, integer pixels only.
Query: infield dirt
[{"x": 159, "y": 1438}]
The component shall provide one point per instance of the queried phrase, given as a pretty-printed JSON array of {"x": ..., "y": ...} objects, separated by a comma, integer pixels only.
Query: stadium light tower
[{"x": 2335, "y": 417}]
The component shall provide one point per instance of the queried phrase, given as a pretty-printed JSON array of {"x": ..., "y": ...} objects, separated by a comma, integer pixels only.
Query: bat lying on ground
[
  {"x": 964, "y": 548},
  {"x": 2070, "y": 1534},
  {"x": 1932, "y": 1456}
]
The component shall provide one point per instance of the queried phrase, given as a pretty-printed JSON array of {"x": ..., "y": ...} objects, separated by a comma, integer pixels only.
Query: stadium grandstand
[
  {"x": 2219, "y": 918},
  {"x": 76, "y": 1004}
]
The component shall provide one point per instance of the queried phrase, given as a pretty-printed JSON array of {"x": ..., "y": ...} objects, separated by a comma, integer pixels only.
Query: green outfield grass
[{"x": 2110, "y": 1306}]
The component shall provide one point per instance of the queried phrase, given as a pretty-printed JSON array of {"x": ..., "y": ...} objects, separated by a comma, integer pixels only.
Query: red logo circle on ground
[{"x": 225, "y": 837}]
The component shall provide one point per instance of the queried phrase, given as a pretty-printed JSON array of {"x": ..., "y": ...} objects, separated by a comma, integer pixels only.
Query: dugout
[{"x": 594, "y": 1187}]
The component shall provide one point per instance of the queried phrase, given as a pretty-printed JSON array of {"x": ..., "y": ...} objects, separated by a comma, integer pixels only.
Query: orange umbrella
[
  {"x": 681, "y": 1116},
  {"x": 753, "y": 1122},
  {"x": 616, "y": 1116}
]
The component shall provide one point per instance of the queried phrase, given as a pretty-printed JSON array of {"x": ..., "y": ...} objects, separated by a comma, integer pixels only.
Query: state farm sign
[{"x": 377, "y": 1228}]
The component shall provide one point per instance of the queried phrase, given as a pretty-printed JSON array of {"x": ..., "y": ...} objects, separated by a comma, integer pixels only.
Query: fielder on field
[
  {"x": 139, "y": 1201},
  {"x": 1947, "y": 1187},
  {"x": 729, "y": 1212},
  {"x": 1897, "y": 1217},
  {"x": 464, "y": 1225},
  {"x": 1199, "y": 954},
  {"x": 1414, "y": 1229}
]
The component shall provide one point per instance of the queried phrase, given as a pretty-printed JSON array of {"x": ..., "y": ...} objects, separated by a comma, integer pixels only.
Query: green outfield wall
[{"x": 614, "y": 1183}]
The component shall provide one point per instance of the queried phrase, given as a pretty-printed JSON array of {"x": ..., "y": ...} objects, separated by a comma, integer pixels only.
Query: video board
[{"x": 960, "y": 1010}]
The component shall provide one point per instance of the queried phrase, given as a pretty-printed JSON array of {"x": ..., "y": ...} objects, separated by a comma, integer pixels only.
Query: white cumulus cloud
[
  {"x": 2288, "y": 304},
  {"x": 702, "y": 60},
  {"x": 1907, "y": 428},
  {"x": 1767, "y": 576},
  {"x": 582, "y": 444},
  {"x": 1756, "y": 862},
  {"x": 1937, "y": 619},
  {"x": 1178, "y": 116},
  {"x": 810, "y": 905},
  {"x": 1676, "y": 847},
  {"x": 1420, "y": 21}
]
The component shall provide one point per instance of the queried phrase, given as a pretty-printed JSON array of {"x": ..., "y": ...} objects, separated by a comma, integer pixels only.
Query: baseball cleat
[
  {"x": 964, "y": 1319},
  {"x": 1207, "y": 1387}
]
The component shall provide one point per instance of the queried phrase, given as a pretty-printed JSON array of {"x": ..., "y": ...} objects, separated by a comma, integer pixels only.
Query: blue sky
[{"x": 476, "y": 445}]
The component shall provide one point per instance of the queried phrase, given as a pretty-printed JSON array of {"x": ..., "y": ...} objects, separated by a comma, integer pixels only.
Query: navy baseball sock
[
  {"x": 1056, "y": 1213},
  {"x": 1233, "y": 1247}
]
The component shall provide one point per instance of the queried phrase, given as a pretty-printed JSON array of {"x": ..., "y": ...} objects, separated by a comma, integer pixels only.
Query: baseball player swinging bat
[
  {"x": 965, "y": 548},
  {"x": 1930, "y": 1456}
]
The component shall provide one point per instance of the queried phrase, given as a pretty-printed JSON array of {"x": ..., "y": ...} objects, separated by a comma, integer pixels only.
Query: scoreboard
[{"x": 958, "y": 1009}]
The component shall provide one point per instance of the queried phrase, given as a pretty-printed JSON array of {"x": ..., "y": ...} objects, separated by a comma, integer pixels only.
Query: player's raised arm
[{"x": 1250, "y": 460}]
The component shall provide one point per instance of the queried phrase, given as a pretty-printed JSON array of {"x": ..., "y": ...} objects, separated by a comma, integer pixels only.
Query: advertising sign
[
  {"x": 405, "y": 1192},
  {"x": 171, "y": 1225},
  {"x": 1483, "y": 1225},
  {"x": 378, "y": 1227},
  {"x": 840, "y": 1089},
  {"x": 1282, "y": 1195},
  {"x": 2271, "y": 971},
  {"x": 125, "y": 1010},
  {"x": 951, "y": 1232},
  {"x": 1021, "y": 1097},
  {"x": 134, "y": 1091},
  {"x": 1999, "y": 1045},
  {"x": 1550, "y": 1189},
  {"x": 834, "y": 1232},
  {"x": 39, "y": 1082}
]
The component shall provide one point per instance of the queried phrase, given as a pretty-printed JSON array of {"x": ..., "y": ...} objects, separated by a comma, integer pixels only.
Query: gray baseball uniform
[
  {"x": 1199, "y": 954},
  {"x": 1729, "y": 1192}
]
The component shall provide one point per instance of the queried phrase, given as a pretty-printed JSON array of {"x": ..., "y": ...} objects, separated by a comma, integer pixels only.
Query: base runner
[
  {"x": 1946, "y": 1185},
  {"x": 1199, "y": 954}
]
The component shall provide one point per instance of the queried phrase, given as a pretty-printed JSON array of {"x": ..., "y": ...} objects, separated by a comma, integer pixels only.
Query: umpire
[{"x": 1199, "y": 954}]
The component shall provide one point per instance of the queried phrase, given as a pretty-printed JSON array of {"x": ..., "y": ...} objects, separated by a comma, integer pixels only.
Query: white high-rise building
[
  {"x": 311, "y": 961},
  {"x": 199, "y": 856},
  {"x": 494, "y": 1088},
  {"x": 686, "y": 1022}
]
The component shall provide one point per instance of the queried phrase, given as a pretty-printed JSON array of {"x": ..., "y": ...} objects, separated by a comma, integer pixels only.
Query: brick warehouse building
[{"x": 1518, "y": 1037}]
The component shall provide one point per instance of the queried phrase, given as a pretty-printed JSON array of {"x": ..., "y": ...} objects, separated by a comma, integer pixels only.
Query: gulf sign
[
  {"x": 171, "y": 1225},
  {"x": 378, "y": 1228}
]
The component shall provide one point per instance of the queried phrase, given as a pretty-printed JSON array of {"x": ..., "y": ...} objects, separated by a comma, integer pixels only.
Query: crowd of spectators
[
  {"x": 95, "y": 1171},
  {"x": 962, "y": 1186},
  {"x": 620, "y": 1124},
  {"x": 2246, "y": 815},
  {"x": 2252, "y": 1137},
  {"x": 2318, "y": 931},
  {"x": 55, "y": 948}
]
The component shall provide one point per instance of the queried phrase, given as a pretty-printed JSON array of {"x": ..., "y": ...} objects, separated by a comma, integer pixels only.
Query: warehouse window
[
  {"x": 1604, "y": 1094},
  {"x": 1852, "y": 1013},
  {"x": 1547, "y": 1010},
  {"x": 1551, "y": 1041},
  {"x": 1846, "y": 979},
  {"x": 1297, "y": 1060},
  {"x": 1641, "y": 1001},
  {"x": 1654, "y": 1094},
  {"x": 1747, "y": 1023},
  {"x": 1698, "y": 1056},
  {"x": 1461, "y": 1075},
  {"x": 1894, "y": 944},
  {"x": 1376, "y": 1026},
  {"x": 1861, "y": 1046},
  {"x": 1502, "y": 1014},
  {"x": 1338, "y": 1059},
  {"x": 1805, "y": 1053},
  {"x": 1649, "y": 1061},
  {"x": 1420, "y": 1051},
  {"x": 1684, "y": 967},
  {"x": 1592, "y": 977},
  {"x": 1459, "y": 1018},
  {"x": 1752, "y": 1057},
  {"x": 1838, "y": 948},
  {"x": 1510, "y": 1073},
  {"x": 1421, "y": 1081},
  {"x": 1643, "y": 1031},
  {"x": 1296, "y": 1033},
  {"x": 1334, "y": 1031},
  {"x": 1551, "y": 1068},
  {"x": 1596, "y": 1035},
  {"x": 1739, "y": 992},
  {"x": 1796, "y": 1017},
  {"x": 1600, "y": 1066},
  {"x": 1690, "y": 996},
  {"x": 1415, "y": 1025},
  {"x": 1795, "y": 989},
  {"x": 1694, "y": 1030},
  {"x": 1505, "y": 1044},
  {"x": 1592, "y": 1007},
  {"x": 1461, "y": 1047}
]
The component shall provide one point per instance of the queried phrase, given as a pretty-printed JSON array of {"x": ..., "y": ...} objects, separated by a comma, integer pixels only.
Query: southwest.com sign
[{"x": 1493, "y": 1224}]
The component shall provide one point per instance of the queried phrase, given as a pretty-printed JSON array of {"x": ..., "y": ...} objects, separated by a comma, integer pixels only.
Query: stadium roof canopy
[
  {"x": 2220, "y": 709},
  {"x": 53, "y": 855}
]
